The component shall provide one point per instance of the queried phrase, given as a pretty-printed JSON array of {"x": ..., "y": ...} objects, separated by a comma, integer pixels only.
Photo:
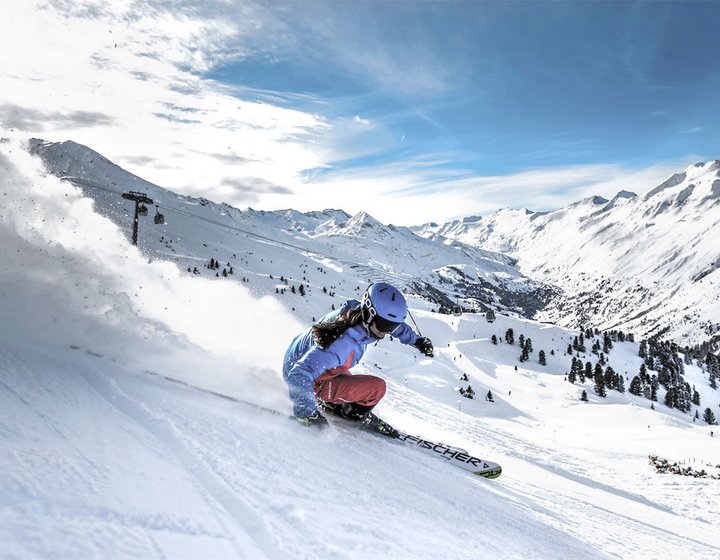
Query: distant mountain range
[
  {"x": 643, "y": 264},
  {"x": 646, "y": 264}
]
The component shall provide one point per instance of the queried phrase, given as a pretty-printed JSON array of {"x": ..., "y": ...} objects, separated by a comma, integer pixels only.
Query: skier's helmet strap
[{"x": 383, "y": 306}]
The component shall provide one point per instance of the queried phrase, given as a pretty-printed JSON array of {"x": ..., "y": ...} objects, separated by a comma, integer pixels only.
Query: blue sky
[
  {"x": 501, "y": 87},
  {"x": 412, "y": 111}
]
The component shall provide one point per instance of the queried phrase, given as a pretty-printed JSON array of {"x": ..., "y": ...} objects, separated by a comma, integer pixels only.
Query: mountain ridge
[{"x": 660, "y": 242}]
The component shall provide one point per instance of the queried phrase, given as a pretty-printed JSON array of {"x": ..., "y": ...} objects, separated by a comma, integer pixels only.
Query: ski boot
[
  {"x": 369, "y": 421},
  {"x": 334, "y": 408},
  {"x": 361, "y": 414},
  {"x": 376, "y": 424}
]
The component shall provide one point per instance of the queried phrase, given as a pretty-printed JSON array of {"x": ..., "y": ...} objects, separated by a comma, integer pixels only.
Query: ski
[{"x": 456, "y": 457}]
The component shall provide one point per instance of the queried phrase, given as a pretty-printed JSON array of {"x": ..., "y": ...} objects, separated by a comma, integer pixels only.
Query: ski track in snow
[{"x": 235, "y": 462}]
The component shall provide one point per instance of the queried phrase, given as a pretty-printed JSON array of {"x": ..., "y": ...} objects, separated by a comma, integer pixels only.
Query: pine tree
[
  {"x": 654, "y": 386},
  {"x": 607, "y": 343},
  {"x": 600, "y": 382},
  {"x": 509, "y": 336},
  {"x": 528, "y": 344},
  {"x": 635, "y": 386},
  {"x": 709, "y": 416},
  {"x": 670, "y": 398},
  {"x": 687, "y": 397},
  {"x": 541, "y": 358},
  {"x": 524, "y": 357},
  {"x": 599, "y": 371},
  {"x": 521, "y": 340},
  {"x": 588, "y": 370},
  {"x": 695, "y": 397},
  {"x": 620, "y": 384},
  {"x": 610, "y": 378},
  {"x": 712, "y": 368}
]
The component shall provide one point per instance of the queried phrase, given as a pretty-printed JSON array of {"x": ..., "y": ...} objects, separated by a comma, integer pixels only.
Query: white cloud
[{"x": 124, "y": 79}]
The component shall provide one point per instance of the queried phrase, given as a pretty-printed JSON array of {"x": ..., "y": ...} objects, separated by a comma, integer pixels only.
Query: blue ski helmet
[{"x": 384, "y": 307}]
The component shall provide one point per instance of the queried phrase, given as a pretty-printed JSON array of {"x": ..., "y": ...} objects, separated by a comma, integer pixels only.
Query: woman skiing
[{"x": 317, "y": 363}]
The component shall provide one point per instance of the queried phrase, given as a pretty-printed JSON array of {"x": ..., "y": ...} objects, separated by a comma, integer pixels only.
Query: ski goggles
[
  {"x": 371, "y": 317},
  {"x": 383, "y": 325}
]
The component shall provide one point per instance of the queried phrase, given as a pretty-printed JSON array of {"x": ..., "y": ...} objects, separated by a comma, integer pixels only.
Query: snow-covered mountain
[
  {"x": 646, "y": 264},
  {"x": 441, "y": 271}
]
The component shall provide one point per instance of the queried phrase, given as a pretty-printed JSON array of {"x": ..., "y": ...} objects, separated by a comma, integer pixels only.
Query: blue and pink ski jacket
[{"x": 305, "y": 361}]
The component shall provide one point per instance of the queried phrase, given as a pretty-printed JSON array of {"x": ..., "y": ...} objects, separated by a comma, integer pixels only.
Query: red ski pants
[{"x": 342, "y": 386}]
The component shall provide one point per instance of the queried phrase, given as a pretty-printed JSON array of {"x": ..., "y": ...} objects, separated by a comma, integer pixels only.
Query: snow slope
[
  {"x": 646, "y": 264},
  {"x": 99, "y": 457}
]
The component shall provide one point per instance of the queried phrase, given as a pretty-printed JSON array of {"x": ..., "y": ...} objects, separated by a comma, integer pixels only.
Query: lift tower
[{"x": 141, "y": 199}]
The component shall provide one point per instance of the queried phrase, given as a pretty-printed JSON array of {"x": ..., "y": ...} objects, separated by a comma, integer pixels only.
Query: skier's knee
[{"x": 379, "y": 389}]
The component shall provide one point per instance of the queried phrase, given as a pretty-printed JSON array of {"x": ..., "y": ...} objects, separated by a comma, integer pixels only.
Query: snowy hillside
[
  {"x": 197, "y": 230},
  {"x": 100, "y": 456},
  {"x": 646, "y": 264}
]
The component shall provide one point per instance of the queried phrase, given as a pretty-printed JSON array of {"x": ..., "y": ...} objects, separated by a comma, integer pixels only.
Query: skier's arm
[
  {"x": 405, "y": 334},
  {"x": 301, "y": 376},
  {"x": 408, "y": 336}
]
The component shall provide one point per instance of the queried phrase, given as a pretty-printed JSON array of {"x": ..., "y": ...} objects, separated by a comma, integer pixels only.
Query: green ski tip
[{"x": 492, "y": 473}]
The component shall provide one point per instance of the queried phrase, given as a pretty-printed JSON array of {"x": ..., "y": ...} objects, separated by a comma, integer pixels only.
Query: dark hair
[{"x": 327, "y": 332}]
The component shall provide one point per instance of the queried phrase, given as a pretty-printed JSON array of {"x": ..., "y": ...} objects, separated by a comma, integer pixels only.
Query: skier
[{"x": 317, "y": 363}]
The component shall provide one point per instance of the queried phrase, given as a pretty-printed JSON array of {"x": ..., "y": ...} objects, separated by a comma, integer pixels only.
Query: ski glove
[
  {"x": 425, "y": 346},
  {"x": 315, "y": 419}
]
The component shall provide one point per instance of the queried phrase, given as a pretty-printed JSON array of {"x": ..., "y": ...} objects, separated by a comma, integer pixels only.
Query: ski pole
[{"x": 417, "y": 329}]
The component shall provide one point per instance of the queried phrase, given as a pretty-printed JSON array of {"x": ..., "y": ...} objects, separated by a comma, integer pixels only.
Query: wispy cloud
[
  {"x": 30, "y": 119},
  {"x": 255, "y": 185},
  {"x": 426, "y": 191}
]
